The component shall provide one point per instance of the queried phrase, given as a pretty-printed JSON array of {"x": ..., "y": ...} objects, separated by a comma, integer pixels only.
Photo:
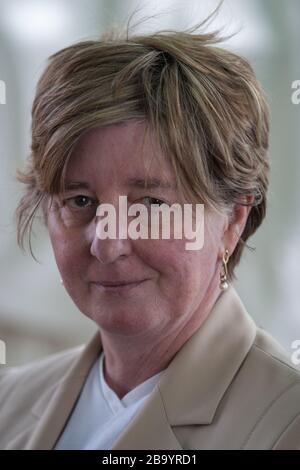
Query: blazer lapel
[
  {"x": 150, "y": 429},
  {"x": 194, "y": 383},
  {"x": 202, "y": 370},
  {"x": 54, "y": 414}
]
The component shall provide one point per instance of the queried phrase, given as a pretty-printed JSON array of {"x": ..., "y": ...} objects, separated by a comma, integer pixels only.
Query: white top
[{"x": 99, "y": 416}]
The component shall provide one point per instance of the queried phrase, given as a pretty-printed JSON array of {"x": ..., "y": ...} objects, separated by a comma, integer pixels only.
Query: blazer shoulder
[
  {"x": 38, "y": 375},
  {"x": 22, "y": 387},
  {"x": 275, "y": 395},
  {"x": 274, "y": 354}
]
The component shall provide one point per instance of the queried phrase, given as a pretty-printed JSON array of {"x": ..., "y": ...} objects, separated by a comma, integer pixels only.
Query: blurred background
[{"x": 36, "y": 315}]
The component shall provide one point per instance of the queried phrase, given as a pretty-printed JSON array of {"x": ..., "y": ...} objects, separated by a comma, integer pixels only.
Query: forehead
[{"x": 126, "y": 151}]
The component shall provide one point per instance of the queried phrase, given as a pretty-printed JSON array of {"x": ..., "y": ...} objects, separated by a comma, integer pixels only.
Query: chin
[{"x": 124, "y": 323}]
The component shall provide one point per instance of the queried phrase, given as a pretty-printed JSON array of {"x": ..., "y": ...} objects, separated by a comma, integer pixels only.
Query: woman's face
[{"x": 175, "y": 281}]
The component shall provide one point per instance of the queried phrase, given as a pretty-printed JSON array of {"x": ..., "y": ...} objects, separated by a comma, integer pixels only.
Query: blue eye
[{"x": 154, "y": 201}]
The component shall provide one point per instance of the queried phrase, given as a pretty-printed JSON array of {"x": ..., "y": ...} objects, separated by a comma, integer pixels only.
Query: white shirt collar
[{"x": 133, "y": 397}]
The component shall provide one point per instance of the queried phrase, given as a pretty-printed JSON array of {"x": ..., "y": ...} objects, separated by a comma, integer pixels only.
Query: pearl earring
[
  {"x": 223, "y": 276},
  {"x": 61, "y": 281}
]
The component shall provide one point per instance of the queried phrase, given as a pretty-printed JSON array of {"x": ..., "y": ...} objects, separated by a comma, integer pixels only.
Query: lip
[{"x": 118, "y": 287}]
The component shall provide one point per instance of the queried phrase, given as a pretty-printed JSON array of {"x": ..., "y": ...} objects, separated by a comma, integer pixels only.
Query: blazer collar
[
  {"x": 188, "y": 393},
  {"x": 200, "y": 373},
  {"x": 194, "y": 383},
  {"x": 54, "y": 411}
]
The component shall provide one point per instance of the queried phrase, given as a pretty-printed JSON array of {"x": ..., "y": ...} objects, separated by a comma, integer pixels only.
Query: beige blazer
[{"x": 229, "y": 387}]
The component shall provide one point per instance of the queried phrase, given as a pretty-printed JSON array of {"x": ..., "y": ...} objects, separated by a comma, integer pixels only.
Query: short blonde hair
[{"x": 203, "y": 102}]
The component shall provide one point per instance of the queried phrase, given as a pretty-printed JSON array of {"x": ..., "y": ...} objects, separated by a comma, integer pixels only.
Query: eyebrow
[
  {"x": 76, "y": 185},
  {"x": 149, "y": 183}
]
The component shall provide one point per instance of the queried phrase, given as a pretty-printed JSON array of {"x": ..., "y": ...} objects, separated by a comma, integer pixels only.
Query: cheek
[
  {"x": 69, "y": 250},
  {"x": 181, "y": 271}
]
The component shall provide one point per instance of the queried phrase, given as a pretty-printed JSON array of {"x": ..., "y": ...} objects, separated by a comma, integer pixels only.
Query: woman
[{"x": 177, "y": 363}]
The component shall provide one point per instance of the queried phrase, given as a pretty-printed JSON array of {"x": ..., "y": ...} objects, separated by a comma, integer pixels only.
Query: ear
[{"x": 235, "y": 224}]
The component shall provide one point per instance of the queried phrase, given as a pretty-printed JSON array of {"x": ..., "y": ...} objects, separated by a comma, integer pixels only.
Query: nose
[{"x": 108, "y": 250}]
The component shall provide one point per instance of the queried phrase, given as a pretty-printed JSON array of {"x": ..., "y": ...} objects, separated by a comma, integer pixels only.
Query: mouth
[{"x": 118, "y": 287}]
